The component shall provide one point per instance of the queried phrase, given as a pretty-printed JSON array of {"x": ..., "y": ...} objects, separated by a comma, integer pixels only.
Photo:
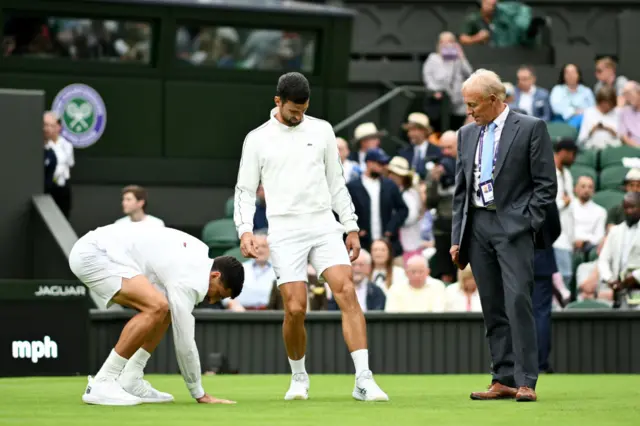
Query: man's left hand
[{"x": 353, "y": 245}]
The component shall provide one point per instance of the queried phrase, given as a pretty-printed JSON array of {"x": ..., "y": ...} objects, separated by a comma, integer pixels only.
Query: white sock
[
  {"x": 137, "y": 363},
  {"x": 112, "y": 367},
  {"x": 360, "y": 360},
  {"x": 297, "y": 366}
]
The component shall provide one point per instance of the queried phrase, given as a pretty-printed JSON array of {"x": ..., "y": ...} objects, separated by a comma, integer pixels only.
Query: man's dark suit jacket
[
  {"x": 544, "y": 262},
  {"x": 409, "y": 151},
  {"x": 524, "y": 180},
  {"x": 375, "y": 299},
  {"x": 393, "y": 211}
]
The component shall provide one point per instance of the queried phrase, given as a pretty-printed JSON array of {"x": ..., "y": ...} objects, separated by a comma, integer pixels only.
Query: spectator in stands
[
  {"x": 378, "y": 203},
  {"x": 384, "y": 273},
  {"x": 260, "y": 221},
  {"x": 631, "y": 183},
  {"x": 570, "y": 98},
  {"x": 443, "y": 73},
  {"x": 50, "y": 164},
  {"x": 599, "y": 127},
  {"x": 619, "y": 261},
  {"x": 423, "y": 294},
  {"x": 564, "y": 156},
  {"x": 317, "y": 294},
  {"x": 134, "y": 204},
  {"x": 404, "y": 178},
  {"x": 370, "y": 296},
  {"x": 61, "y": 188},
  {"x": 463, "y": 296},
  {"x": 258, "y": 276},
  {"x": 440, "y": 187},
  {"x": 629, "y": 127},
  {"x": 350, "y": 169},
  {"x": 528, "y": 97},
  {"x": 365, "y": 137},
  {"x": 589, "y": 219},
  {"x": 607, "y": 77},
  {"x": 421, "y": 150},
  {"x": 506, "y": 24}
]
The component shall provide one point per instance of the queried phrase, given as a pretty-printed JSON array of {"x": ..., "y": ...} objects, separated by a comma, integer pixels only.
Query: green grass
[{"x": 415, "y": 400}]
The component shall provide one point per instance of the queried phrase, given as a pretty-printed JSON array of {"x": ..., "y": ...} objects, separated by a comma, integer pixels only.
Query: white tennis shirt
[
  {"x": 301, "y": 172},
  {"x": 179, "y": 266}
]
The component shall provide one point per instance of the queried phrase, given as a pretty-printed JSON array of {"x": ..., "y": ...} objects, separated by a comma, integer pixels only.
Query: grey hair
[
  {"x": 367, "y": 257},
  {"x": 488, "y": 82}
]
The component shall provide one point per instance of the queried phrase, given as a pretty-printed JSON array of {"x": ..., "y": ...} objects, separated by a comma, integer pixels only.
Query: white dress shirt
[
  {"x": 179, "y": 266},
  {"x": 301, "y": 172},
  {"x": 410, "y": 231},
  {"x": 404, "y": 298},
  {"x": 589, "y": 222},
  {"x": 620, "y": 253},
  {"x": 373, "y": 189},
  {"x": 398, "y": 278},
  {"x": 526, "y": 100},
  {"x": 258, "y": 283},
  {"x": 147, "y": 220},
  {"x": 66, "y": 160},
  {"x": 565, "y": 187},
  {"x": 458, "y": 301},
  {"x": 497, "y": 132}
]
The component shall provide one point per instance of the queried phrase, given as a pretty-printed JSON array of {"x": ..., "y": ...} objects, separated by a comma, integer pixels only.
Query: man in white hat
[
  {"x": 421, "y": 150},
  {"x": 365, "y": 137}
]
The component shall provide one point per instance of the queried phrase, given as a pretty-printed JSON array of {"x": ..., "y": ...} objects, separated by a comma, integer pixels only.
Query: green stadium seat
[
  {"x": 608, "y": 198},
  {"x": 560, "y": 130},
  {"x": 613, "y": 156},
  {"x": 237, "y": 253},
  {"x": 578, "y": 170},
  {"x": 220, "y": 235},
  {"x": 228, "y": 208},
  {"x": 588, "y": 304},
  {"x": 587, "y": 157},
  {"x": 612, "y": 177}
]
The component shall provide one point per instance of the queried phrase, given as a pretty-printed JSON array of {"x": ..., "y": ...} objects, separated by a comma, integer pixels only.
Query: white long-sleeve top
[
  {"x": 301, "y": 172},
  {"x": 66, "y": 160},
  {"x": 179, "y": 266},
  {"x": 589, "y": 221}
]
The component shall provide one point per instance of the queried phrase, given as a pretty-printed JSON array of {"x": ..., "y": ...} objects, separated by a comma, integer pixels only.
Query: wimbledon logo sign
[{"x": 83, "y": 114}]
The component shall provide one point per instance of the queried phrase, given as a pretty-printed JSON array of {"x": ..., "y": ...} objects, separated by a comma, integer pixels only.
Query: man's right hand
[
  {"x": 248, "y": 245},
  {"x": 208, "y": 399},
  {"x": 454, "y": 252},
  {"x": 566, "y": 199}
]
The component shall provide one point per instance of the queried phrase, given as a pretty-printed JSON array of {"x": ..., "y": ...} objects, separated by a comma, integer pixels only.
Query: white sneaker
[
  {"x": 108, "y": 392},
  {"x": 299, "y": 388},
  {"x": 366, "y": 389},
  {"x": 139, "y": 387}
]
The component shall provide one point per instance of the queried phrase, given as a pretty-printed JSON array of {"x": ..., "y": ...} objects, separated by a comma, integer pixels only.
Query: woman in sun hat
[{"x": 402, "y": 175}]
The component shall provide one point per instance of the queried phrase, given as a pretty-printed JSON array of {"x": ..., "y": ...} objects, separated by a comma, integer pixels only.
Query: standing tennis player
[{"x": 295, "y": 157}]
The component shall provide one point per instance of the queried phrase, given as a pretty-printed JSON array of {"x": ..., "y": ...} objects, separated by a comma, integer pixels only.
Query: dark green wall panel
[{"x": 134, "y": 110}]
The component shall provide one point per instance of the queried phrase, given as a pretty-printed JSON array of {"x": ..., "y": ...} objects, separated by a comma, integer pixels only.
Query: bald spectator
[
  {"x": 61, "y": 188},
  {"x": 134, "y": 204},
  {"x": 631, "y": 183},
  {"x": 370, "y": 296},
  {"x": 589, "y": 218},
  {"x": 350, "y": 169},
  {"x": 423, "y": 294},
  {"x": 629, "y": 126},
  {"x": 607, "y": 75}
]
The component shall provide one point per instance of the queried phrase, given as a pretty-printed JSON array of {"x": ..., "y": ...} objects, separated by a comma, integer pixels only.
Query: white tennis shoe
[
  {"x": 139, "y": 387},
  {"x": 366, "y": 389},
  {"x": 107, "y": 392},
  {"x": 299, "y": 388}
]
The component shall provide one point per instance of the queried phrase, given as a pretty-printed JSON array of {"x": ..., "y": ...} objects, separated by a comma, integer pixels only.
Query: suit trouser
[
  {"x": 503, "y": 270},
  {"x": 542, "y": 300}
]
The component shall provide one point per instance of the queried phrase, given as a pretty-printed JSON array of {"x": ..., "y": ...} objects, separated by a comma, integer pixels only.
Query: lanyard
[{"x": 495, "y": 150}]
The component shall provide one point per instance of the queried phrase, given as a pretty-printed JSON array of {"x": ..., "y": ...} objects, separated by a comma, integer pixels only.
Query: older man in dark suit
[
  {"x": 505, "y": 181},
  {"x": 378, "y": 203}
]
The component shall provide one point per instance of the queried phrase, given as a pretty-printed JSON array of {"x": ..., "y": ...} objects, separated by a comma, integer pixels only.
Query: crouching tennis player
[{"x": 162, "y": 273}]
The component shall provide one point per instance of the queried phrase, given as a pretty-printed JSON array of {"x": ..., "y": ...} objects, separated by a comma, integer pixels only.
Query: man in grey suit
[{"x": 505, "y": 181}]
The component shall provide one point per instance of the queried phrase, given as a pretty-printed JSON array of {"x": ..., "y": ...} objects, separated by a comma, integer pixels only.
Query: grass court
[{"x": 415, "y": 400}]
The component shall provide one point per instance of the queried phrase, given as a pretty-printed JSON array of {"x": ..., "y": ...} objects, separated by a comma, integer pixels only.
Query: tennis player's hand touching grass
[{"x": 208, "y": 399}]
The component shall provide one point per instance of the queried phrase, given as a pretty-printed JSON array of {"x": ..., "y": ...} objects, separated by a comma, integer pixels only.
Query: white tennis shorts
[
  {"x": 99, "y": 270},
  {"x": 291, "y": 251}
]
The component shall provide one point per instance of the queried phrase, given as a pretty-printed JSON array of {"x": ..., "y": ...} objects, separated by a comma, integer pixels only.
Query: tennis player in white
[
  {"x": 295, "y": 157},
  {"x": 162, "y": 273}
]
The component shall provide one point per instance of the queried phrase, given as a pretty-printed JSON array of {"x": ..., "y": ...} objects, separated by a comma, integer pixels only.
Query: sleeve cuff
[
  {"x": 244, "y": 228},
  {"x": 351, "y": 226},
  {"x": 196, "y": 389}
]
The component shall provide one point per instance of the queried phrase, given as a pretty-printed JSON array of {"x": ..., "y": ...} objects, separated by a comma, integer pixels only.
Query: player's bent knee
[
  {"x": 160, "y": 307},
  {"x": 295, "y": 311}
]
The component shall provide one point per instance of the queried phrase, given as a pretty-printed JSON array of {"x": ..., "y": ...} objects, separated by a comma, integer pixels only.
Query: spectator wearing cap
[
  {"x": 564, "y": 156},
  {"x": 631, "y": 183},
  {"x": 350, "y": 169},
  {"x": 378, "y": 203},
  {"x": 61, "y": 188},
  {"x": 421, "y": 150},
  {"x": 533, "y": 100},
  {"x": 629, "y": 126},
  {"x": 365, "y": 137},
  {"x": 404, "y": 178}
]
